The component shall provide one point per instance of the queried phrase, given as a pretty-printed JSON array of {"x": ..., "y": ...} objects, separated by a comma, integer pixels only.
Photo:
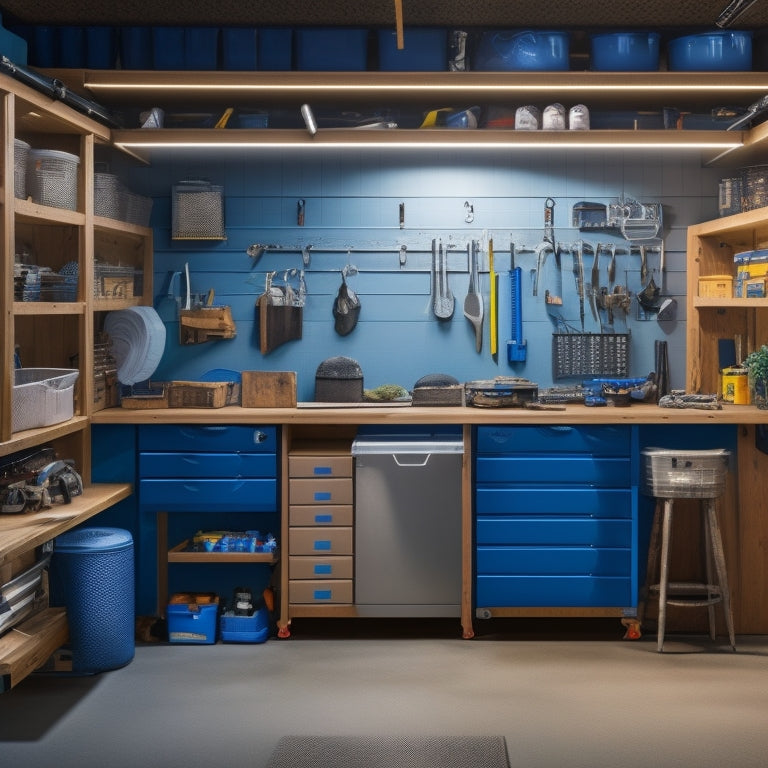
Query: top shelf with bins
[{"x": 686, "y": 91}]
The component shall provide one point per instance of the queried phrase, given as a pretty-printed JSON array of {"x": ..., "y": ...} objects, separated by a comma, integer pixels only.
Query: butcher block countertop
[{"x": 375, "y": 413}]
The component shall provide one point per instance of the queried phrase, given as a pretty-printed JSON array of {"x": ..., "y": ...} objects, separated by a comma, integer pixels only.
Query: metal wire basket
[
  {"x": 52, "y": 178},
  {"x": 686, "y": 474},
  {"x": 197, "y": 211}
]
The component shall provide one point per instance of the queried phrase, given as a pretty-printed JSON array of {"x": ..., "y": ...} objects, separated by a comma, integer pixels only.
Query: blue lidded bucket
[
  {"x": 92, "y": 576},
  {"x": 719, "y": 51},
  {"x": 530, "y": 50},
  {"x": 625, "y": 52}
]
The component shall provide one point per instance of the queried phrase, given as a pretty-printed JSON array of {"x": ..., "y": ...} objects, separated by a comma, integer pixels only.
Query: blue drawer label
[
  {"x": 322, "y": 496},
  {"x": 323, "y": 545},
  {"x": 322, "y": 470},
  {"x": 323, "y": 569},
  {"x": 322, "y": 594},
  {"x": 323, "y": 518}
]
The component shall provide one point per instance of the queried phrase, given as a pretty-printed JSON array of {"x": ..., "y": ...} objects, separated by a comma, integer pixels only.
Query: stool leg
[
  {"x": 722, "y": 574},
  {"x": 708, "y": 555},
  {"x": 666, "y": 532}
]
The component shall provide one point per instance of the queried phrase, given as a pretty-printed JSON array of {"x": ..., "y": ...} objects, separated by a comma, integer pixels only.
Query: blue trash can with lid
[{"x": 92, "y": 576}]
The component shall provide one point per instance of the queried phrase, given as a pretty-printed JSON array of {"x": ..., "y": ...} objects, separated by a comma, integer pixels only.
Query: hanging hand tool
[
  {"x": 593, "y": 288},
  {"x": 493, "y": 301},
  {"x": 612, "y": 265},
  {"x": 577, "y": 252},
  {"x": 516, "y": 346},
  {"x": 442, "y": 298},
  {"x": 473, "y": 302}
]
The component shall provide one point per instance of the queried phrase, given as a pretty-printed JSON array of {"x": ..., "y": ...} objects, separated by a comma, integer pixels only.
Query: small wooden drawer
[
  {"x": 308, "y": 567},
  {"x": 320, "y": 541},
  {"x": 320, "y": 591},
  {"x": 324, "y": 515},
  {"x": 333, "y": 490},
  {"x": 319, "y": 466}
]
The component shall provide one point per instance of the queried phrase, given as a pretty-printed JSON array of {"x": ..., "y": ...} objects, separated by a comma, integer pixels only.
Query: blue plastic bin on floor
[{"x": 91, "y": 575}]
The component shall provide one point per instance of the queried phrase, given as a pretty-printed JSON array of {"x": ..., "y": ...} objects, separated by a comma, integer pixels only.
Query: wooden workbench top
[{"x": 374, "y": 413}]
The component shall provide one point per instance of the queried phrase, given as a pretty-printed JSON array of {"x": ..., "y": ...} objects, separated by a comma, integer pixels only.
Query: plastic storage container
[
  {"x": 136, "y": 48},
  {"x": 511, "y": 50},
  {"x": 100, "y": 47},
  {"x": 720, "y": 51},
  {"x": 425, "y": 50},
  {"x": 92, "y": 576},
  {"x": 192, "y": 618},
  {"x": 71, "y": 47},
  {"x": 625, "y": 52},
  {"x": 201, "y": 48},
  {"x": 244, "y": 629},
  {"x": 275, "y": 49},
  {"x": 52, "y": 178},
  {"x": 42, "y": 396},
  {"x": 239, "y": 46},
  {"x": 168, "y": 47},
  {"x": 331, "y": 49}
]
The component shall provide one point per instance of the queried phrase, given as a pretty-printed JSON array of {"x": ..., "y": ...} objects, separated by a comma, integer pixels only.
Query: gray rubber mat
[{"x": 390, "y": 752}]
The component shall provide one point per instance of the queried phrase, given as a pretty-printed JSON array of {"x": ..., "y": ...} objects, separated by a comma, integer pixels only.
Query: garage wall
[{"x": 352, "y": 201}]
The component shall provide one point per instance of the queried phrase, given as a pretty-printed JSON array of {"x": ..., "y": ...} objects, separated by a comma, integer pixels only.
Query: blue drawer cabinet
[
  {"x": 556, "y": 518},
  {"x": 204, "y": 472}
]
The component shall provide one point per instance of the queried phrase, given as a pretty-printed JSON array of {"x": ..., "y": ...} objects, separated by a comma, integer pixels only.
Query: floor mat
[{"x": 390, "y": 752}]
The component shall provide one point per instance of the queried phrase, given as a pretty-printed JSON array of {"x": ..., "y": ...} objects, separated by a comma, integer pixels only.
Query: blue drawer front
[
  {"x": 565, "y": 531},
  {"x": 555, "y": 470},
  {"x": 231, "y": 465},
  {"x": 562, "y": 591},
  {"x": 553, "y": 561},
  {"x": 186, "y": 438},
  {"x": 599, "y": 440},
  {"x": 594, "y": 502},
  {"x": 209, "y": 495}
]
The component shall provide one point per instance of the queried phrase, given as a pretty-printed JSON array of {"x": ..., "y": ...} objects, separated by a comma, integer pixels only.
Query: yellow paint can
[{"x": 735, "y": 386}]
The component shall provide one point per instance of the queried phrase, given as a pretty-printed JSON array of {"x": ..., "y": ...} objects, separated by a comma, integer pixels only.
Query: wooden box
[
  {"x": 269, "y": 389},
  {"x": 716, "y": 287},
  {"x": 202, "y": 394}
]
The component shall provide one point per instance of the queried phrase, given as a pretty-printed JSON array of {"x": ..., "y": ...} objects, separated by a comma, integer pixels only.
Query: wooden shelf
[
  {"x": 181, "y": 554},
  {"x": 28, "y": 645},
  {"x": 20, "y": 533}
]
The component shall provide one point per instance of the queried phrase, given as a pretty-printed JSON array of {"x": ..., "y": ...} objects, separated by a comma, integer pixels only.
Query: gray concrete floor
[{"x": 585, "y": 701}]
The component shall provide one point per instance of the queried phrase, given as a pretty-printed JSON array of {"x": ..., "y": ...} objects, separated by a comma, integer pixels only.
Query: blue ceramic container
[
  {"x": 625, "y": 52},
  {"x": 526, "y": 50},
  {"x": 720, "y": 51}
]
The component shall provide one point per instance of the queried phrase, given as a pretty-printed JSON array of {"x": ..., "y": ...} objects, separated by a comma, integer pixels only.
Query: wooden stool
[{"x": 687, "y": 475}]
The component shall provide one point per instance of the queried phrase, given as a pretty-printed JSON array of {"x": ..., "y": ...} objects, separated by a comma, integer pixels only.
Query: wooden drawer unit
[
  {"x": 556, "y": 518},
  {"x": 320, "y": 528}
]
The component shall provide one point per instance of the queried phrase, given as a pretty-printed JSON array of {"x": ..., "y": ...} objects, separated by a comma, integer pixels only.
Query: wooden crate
[
  {"x": 269, "y": 389},
  {"x": 202, "y": 394}
]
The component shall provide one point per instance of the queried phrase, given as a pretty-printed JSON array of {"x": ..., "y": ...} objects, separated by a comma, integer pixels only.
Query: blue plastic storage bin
[
  {"x": 71, "y": 47},
  {"x": 244, "y": 629},
  {"x": 719, "y": 51},
  {"x": 192, "y": 618},
  {"x": 425, "y": 50},
  {"x": 13, "y": 46},
  {"x": 275, "y": 49},
  {"x": 43, "y": 46},
  {"x": 201, "y": 48},
  {"x": 136, "y": 47},
  {"x": 100, "y": 47},
  {"x": 625, "y": 51},
  {"x": 520, "y": 50},
  {"x": 331, "y": 49},
  {"x": 168, "y": 47},
  {"x": 239, "y": 46},
  {"x": 92, "y": 575}
]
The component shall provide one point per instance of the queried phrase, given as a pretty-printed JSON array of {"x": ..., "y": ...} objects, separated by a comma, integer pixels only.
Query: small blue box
[
  {"x": 168, "y": 47},
  {"x": 192, "y": 618},
  {"x": 331, "y": 49},
  {"x": 201, "y": 48},
  {"x": 425, "y": 50},
  {"x": 275, "y": 49},
  {"x": 238, "y": 48},
  {"x": 244, "y": 629},
  {"x": 136, "y": 47}
]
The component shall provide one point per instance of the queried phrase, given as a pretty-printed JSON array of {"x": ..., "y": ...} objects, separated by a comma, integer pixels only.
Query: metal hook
[{"x": 470, "y": 209}]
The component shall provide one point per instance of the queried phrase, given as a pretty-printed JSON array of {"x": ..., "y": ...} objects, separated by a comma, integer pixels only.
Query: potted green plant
[{"x": 756, "y": 364}]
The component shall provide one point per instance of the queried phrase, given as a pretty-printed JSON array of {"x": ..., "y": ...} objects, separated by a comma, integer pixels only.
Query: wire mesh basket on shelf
[
  {"x": 197, "y": 211},
  {"x": 52, "y": 178}
]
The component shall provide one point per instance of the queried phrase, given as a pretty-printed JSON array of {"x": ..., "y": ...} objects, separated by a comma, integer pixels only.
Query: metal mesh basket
[
  {"x": 20, "y": 161},
  {"x": 684, "y": 474},
  {"x": 590, "y": 354},
  {"x": 138, "y": 209},
  {"x": 197, "y": 211},
  {"x": 52, "y": 178}
]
